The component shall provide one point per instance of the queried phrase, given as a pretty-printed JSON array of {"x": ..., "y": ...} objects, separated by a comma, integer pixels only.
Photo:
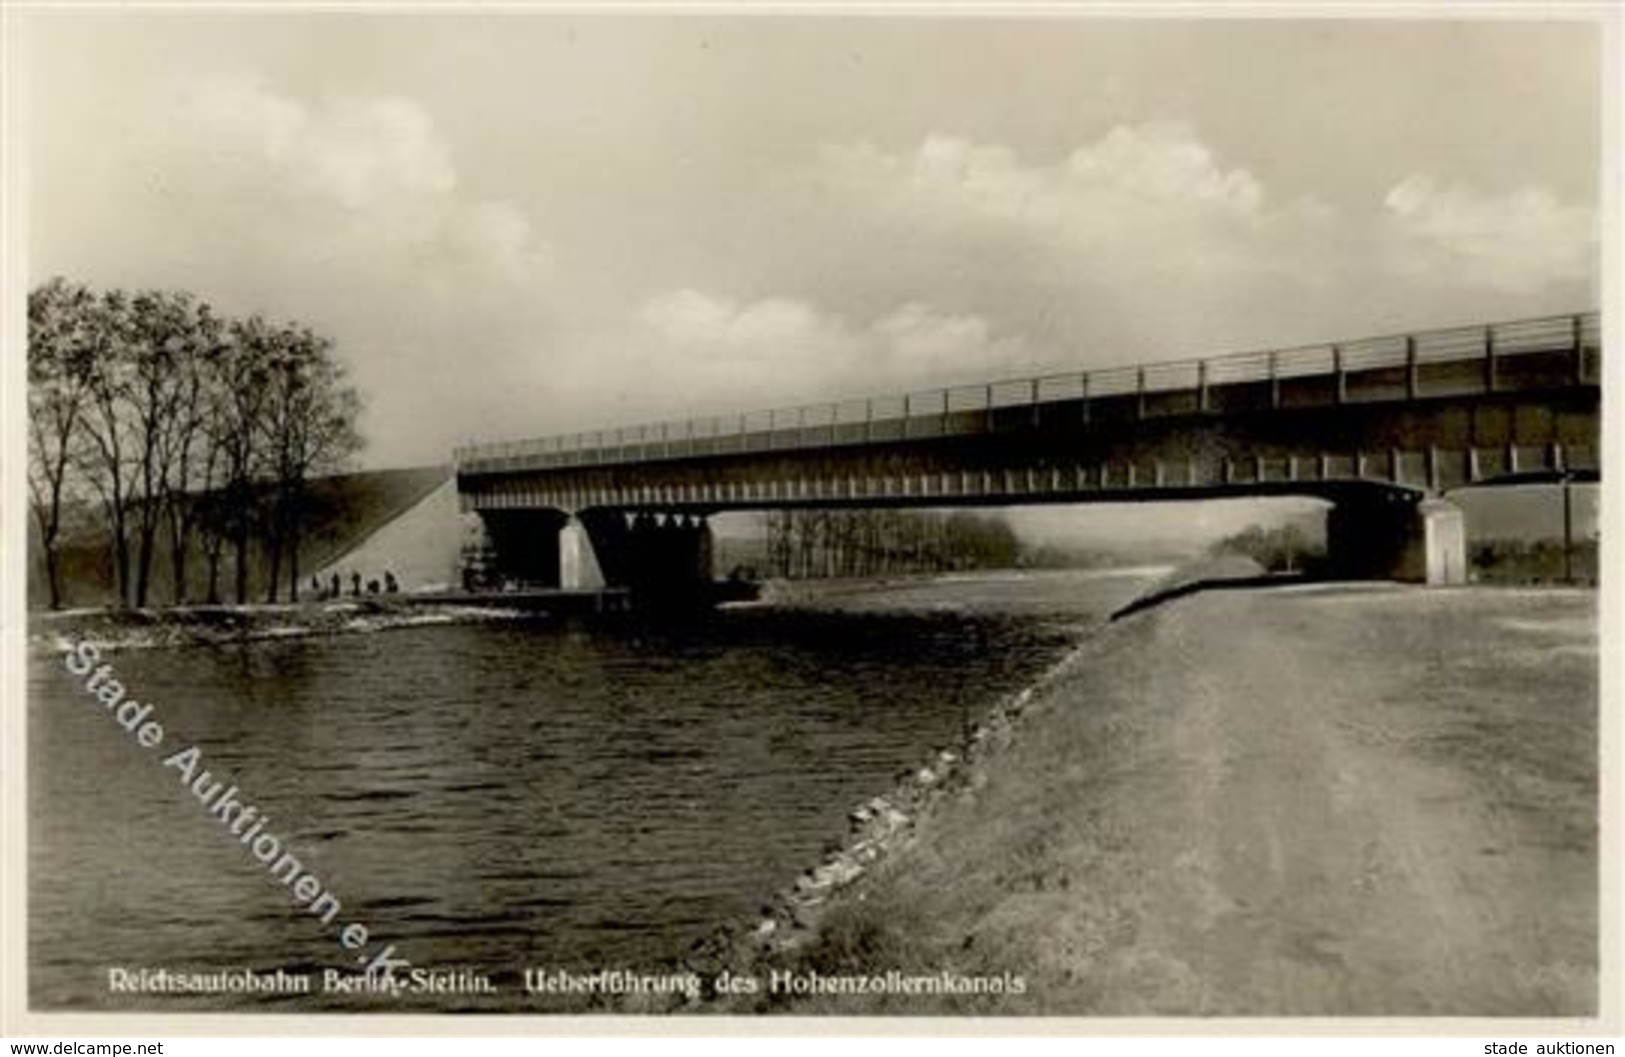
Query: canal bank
[
  {"x": 215, "y": 625},
  {"x": 1342, "y": 800}
]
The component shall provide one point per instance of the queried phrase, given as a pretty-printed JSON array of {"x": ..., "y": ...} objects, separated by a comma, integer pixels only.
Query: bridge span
[{"x": 1381, "y": 427}]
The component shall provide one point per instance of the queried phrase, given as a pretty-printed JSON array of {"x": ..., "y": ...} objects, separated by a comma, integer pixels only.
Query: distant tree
[
  {"x": 981, "y": 541},
  {"x": 823, "y": 543},
  {"x": 1534, "y": 561},
  {"x": 1285, "y": 548},
  {"x": 777, "y": 524}
]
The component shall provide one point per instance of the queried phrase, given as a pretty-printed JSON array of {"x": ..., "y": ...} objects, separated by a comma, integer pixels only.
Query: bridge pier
[
  {"x": 1387, "y": 534},
  {"x": 579, "y": 569},
  {"x": 660, "y": 558}
]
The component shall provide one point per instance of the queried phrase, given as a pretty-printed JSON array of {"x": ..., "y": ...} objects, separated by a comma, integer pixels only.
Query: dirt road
[{"x": 1348, "y": 801}]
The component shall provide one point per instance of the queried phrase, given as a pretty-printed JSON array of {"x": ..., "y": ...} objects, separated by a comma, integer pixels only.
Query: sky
[{"x": 516, "y": 224}]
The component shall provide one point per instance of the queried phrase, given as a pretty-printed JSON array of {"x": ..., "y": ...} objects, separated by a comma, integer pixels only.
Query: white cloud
[
  {"x": 1146, "y": 242},
  {"x": 348, "y": 213},
  {"x": 1519, "y": 241},
  {"x": 917, "y": 334},
  {"x": 782, "y": 349},
  {"x": 1152, "y": 203},
  {"x": 1166, "y": 162},
  {"x": 1147, "y": 214},
  {"x": 361, "y": 149},
  {"x": 356, "y": 175},
  {"x": 355, "y": 150},
  {"x": 760, "y": 335},
  {"x": 1152, "y": 174}
]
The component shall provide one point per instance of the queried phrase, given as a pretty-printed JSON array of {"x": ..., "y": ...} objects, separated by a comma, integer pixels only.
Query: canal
[{"x": 505, "y": 795}]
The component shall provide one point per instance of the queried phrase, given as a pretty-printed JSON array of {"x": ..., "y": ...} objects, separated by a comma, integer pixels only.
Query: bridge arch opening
[{"x": 1372, "y": 531}]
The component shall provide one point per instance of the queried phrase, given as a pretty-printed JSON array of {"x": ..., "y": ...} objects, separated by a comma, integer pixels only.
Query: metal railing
[{"x": 971, "y": 409}]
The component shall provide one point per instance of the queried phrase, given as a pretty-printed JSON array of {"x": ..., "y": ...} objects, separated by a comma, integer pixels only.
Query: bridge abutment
[{"x": 1393, "y": 535}]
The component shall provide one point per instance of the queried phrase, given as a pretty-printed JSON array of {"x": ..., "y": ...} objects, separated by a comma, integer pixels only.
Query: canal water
[{"x": 503, "y": 795}]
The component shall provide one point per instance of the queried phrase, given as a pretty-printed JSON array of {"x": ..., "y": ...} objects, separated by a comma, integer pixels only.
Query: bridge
[{"x": 1382, "y": 427}]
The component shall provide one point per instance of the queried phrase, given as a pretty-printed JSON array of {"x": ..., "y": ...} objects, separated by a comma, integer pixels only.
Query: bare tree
[
  {"x": 60, "y": 352},
  {"x": 186, "y": 450},
  {"x": 242, "y": 379},
  {"x": 168, "y": 335},
  {"x": 176, "y": 419},
  {"x": 823, "y": 543},
  {"x": 309, "y": 425},
  {"x": 211, "y": 515},
  {"x": 110, "y": 446}
]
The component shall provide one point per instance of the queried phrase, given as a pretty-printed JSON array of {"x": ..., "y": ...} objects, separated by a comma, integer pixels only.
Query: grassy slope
[
  {"x": 1342, "y": 801},
  {"x": 347, "y": 509},
  {"x": 358, "y": 505}
]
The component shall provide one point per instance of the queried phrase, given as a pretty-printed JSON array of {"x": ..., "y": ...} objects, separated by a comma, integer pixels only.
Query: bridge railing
[{"x": 1553, "y": 350}]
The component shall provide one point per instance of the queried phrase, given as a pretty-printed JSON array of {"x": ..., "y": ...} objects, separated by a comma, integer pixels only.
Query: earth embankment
[{"x": 1355, "y": 800}]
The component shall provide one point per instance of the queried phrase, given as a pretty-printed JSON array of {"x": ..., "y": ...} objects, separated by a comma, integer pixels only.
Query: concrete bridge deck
[{"x": 1554, "y": 352}]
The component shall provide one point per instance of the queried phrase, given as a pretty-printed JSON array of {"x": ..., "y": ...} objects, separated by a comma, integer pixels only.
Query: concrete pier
[
  {"x": 579, "y": 569},
  {"x": 1393, "y": 535},
  {"x": 656, "y": 557}
]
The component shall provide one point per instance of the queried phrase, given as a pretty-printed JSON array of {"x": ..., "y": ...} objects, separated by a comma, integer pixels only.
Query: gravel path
[{"x": 1348, "y": 801}]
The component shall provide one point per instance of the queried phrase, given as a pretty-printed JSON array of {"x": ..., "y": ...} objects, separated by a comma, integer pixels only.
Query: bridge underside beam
[{"x": 1045, "y": 481}]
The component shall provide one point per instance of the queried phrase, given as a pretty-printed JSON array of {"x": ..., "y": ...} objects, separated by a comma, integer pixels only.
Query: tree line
[
  {"x": 1285, "y": 548},
  {"x": 183, "y": 430},
  {"x": 805, "y": 544}
]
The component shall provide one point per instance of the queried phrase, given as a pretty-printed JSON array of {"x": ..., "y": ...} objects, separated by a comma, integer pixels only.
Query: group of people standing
[{"x": 334, "y": 587}]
